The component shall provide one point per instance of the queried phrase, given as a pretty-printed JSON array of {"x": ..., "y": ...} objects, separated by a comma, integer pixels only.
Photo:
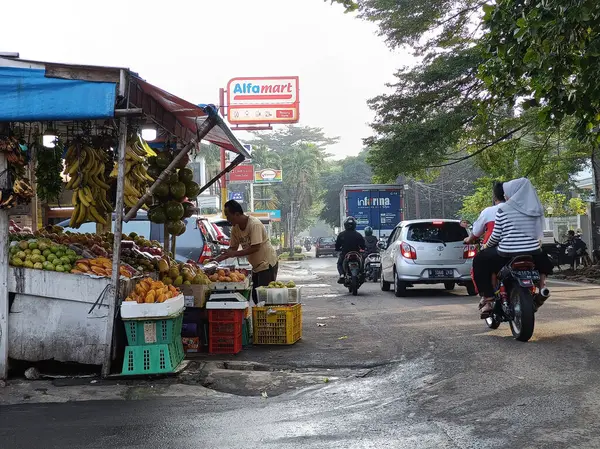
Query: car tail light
[
  {"x": 408, "y": 252},
  {"x": 206, "y": 254},
  {"x": 469, "y": 251}
]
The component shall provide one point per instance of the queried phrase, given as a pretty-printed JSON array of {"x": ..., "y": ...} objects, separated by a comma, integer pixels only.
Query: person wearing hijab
[{"x": 518, "y": 230}]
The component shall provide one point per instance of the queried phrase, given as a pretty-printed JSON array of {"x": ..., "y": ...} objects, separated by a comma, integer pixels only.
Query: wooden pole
[
  {"x": 116, "y": 262},
  {"x": 203, "y": 130},
  {"x": 3, "y": 272}
]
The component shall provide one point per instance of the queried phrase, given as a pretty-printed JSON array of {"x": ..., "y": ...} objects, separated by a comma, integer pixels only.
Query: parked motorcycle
[
  {"x": 373, "y": 267},
  {"x": 354, "y": 275},
  {"x": 517, "y": 298}
]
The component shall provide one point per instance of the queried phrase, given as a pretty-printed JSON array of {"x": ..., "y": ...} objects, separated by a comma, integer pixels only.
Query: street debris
[
  {"x": 265, "y": 395},
  {"x": 321, "y": 324},
  {"x": 343, "y": 338}
]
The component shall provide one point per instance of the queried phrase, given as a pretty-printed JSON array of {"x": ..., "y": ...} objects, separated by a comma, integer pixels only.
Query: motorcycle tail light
[
  {"x": 407, "y": 251},
  {"x": 469, "y": 251}
]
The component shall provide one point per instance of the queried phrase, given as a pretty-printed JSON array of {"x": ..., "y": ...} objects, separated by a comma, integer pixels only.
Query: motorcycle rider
[
  {"x": 576, "y": 246},
  {"x": 370, "y": 241},
  {"x": 348, "y": 240},
  {"x": 484, "y": 225},
  {"x": 518, "y": 230}
]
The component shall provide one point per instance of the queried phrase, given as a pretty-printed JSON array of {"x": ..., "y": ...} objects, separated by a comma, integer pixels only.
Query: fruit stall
[{"x": 79, "y": 129}]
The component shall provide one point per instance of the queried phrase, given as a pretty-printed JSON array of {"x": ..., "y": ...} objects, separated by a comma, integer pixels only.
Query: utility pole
[
  {"x": 292, "y": 230},
  {"x": 430, "y": 202},
  {"x": 417, "y": 201}
]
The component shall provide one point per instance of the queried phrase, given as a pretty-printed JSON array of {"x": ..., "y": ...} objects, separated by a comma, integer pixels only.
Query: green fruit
[
  {"x": 14, "y": 250},
  {"x": 60, "y": 268},
  {"x": 28, "y": 264},
  {"x": 174, "y": 210},
  {"x": 36, "y": 252},
  {"x": 54, "y": 249},
  {"x": 28, "y": 257},
  {"x": 163, "y": 159},
  {"x": 177, "y": 190},
  {"x": 38, "y": 266},
  {"x": 67, "y": 267},
  {"x": 70, "y": 252},
  {"x": 28, "y": 251},
  {"x": 21, "y": 255},
  {"x": 187, "y": 283},
  {"x": 186, "y": 175},
  {"x": 51, "y": 258},
  {"x": 176, "y": 227},
  {"x": 178, "y": 281},
  {"x": 59, "y": 254},
  {"x": 192, "y": 189},
  {"x": 162, "y": 190},
  {"x": 17, "y": 262},
  {"x": 41, "y": 259},
  {"x": 65, "y": 260},
  {"x": 23, "y": 244},
  {"x": 172, "y": 178},
  {"x": 46, "y": 252},
  {"x": 157, "y": 215},
  {"x": 72, "y": 259},
  {"x": 167, "y": 280},
  {"x": 33, "y": 245},
  {"x": 42, "y": 246},
  {"x": 188, "y": 209},
  {"x": 154, "y": 171}
]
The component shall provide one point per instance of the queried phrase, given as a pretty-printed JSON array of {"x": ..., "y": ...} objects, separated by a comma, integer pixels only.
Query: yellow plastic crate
[{"x": 277, "y": 325}]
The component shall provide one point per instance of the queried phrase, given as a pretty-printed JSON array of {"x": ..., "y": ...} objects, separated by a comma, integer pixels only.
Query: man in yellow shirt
[{"x": 249, "y": 233}]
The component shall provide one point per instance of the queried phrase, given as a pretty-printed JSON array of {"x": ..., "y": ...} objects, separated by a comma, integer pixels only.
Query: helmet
[
  {"x": 350, "y": 224},
  {"x": 368, "y": 231}
]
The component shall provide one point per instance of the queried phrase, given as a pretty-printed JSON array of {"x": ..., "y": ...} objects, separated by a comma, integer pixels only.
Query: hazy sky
[{"x": 191, "y": 48}]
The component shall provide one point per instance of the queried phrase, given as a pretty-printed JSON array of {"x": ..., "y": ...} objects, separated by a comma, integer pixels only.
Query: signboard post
[
  {"x": 268, "y": 175},
  {"x": 263, "y": 100}
]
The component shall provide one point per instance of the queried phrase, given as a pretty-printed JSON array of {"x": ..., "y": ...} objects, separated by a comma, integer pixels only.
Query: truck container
[{"x": 377, "y": 205}]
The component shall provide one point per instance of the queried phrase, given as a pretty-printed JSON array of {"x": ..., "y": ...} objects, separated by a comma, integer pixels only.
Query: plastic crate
[
  {"x": 225, "y": 329},
  {"x": 162, "y": 331},
  {"x": 224, "y": 344},
  {"x": 153, "y": 359},
  {"x": 225, "y": 315},
  {"x": 279, "y": 296},
  {"x": 277, "y": 325},
  {"x": 246, "y": 334}
]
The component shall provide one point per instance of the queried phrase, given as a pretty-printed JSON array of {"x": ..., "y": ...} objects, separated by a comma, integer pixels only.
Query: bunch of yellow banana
[
  {"x": 22, "y": 193},
  {"x": 136, "y": 175},
  {"x": 86, "y": 167}
]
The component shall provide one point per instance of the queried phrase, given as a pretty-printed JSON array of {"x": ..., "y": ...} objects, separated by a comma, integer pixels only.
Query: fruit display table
[{"x": 59, "y": 316}]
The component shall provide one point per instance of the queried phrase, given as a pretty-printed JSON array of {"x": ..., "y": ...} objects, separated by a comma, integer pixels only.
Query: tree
[
  {"x": 282, "y": 140},
  {"x": 547, "y": 55},
  {"x": 352, "y": 170}
]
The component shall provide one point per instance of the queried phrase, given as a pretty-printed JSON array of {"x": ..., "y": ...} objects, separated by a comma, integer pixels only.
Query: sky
[{"x": 192, "y": 48}]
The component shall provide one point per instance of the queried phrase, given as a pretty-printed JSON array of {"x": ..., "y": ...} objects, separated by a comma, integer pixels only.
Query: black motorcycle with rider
[
  {"x": 372, "y": 259},
  {"x": 349, "y": 244}
]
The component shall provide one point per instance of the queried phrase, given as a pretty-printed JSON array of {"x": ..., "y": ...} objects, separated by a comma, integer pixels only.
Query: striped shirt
[{"x": 511, "y": 230}]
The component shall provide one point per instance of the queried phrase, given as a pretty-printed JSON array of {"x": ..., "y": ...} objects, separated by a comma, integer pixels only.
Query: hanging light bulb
[
  {"x": 49, "y": 138},
  {"x": 149, "y": 131}
]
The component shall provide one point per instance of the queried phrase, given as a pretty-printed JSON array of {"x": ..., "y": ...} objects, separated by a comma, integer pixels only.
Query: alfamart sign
[
  {"x": 267, "y": 175},
  {"x": 260, "y": 100}
]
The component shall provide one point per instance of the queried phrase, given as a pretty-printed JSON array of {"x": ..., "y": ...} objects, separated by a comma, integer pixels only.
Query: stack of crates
[
  {"x": 154, "y": 345},
  {"x": 277, "y": 325},
  {"x": 225, "y": 328}
]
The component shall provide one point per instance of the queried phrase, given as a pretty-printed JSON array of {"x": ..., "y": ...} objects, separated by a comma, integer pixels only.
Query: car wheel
[
  {"x": 385, "y": 286},
  {"x": 449, "y": 285},
  {"x": 399, "y": 287},
  {"x": 471, "y": 291},
  {"x": 317, "y": 255}
]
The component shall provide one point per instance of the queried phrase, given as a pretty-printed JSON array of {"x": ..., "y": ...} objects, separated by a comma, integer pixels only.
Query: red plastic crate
[
  {"x": 225, "y": 315},
  {"x": 225, "y": 329},
  {"x": 225, "y": 344}
]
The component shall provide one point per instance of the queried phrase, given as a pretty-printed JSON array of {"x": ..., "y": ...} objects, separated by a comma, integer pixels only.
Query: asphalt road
[{"x": 436, "y": 378}]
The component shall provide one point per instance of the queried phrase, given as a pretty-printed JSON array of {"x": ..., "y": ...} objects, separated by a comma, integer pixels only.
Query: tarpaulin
[{"x": 28, "y": 95}]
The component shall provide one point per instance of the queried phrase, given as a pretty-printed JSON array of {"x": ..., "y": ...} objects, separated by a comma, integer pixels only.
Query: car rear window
[
  {"x": 225, "y": 227},
  {"x": 436, "y": 232},
  {"x": 192, "y": 237},
  {"x": 327, "y": 240}
]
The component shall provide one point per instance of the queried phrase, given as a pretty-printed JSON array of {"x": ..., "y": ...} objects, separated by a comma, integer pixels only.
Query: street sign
[
  {"x": 259, "y": 100},
  {"x": 267, "y": 175},
  {"x": 242, "y": 173},
  {"x": 237, "y": 196},
  {"x": 274, "y": 214}
]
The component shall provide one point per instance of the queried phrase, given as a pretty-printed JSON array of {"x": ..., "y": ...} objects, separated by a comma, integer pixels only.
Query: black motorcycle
[
  {"x": 307, "y": 246},
  {"x": 516, "y": 300},
  {"x": 354, "y": 275},
  {"x": 373, "y": 267}
]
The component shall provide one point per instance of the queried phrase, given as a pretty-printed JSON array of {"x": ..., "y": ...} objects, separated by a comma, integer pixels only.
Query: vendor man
[{"x": 249, "y": 233}]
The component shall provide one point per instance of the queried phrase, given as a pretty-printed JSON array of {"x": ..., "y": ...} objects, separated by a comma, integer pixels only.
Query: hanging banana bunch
[
  {"x": 86, "y": 166},
  {"x": 136, "y": 174},
  {"x": 21, "y": 193}
]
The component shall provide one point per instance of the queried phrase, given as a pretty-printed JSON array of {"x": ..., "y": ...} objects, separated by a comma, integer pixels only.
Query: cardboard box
[
  {"x": 195, "y": 295},
  {"x": 191, "y": 344}
]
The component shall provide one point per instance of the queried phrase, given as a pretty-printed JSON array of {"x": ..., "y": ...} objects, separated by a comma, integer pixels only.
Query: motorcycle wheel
[
  {"x": 492, "y": 323},
  {"x": 353, "y": 286},
  {"x": 523, "y": 321}
]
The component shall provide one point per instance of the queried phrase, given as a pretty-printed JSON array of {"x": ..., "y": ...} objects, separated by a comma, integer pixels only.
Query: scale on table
[{"x": 226, "y": 300}]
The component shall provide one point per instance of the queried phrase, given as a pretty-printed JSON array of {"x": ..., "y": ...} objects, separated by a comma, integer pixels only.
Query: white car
[{"x": 427, "y": 252}]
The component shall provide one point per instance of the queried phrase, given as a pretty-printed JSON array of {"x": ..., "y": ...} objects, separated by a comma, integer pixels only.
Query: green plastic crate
[
  {"x": 246, "y": 334},
  {"x": 152, "y": 359},
  {"x": 162, "y": 331}
]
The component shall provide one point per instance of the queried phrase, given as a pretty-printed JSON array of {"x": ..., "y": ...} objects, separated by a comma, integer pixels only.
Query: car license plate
[{"x": 441, "y": 273}]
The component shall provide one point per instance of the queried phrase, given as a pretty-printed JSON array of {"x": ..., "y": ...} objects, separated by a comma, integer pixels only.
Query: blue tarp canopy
[{"x": 32, "y": 91}]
